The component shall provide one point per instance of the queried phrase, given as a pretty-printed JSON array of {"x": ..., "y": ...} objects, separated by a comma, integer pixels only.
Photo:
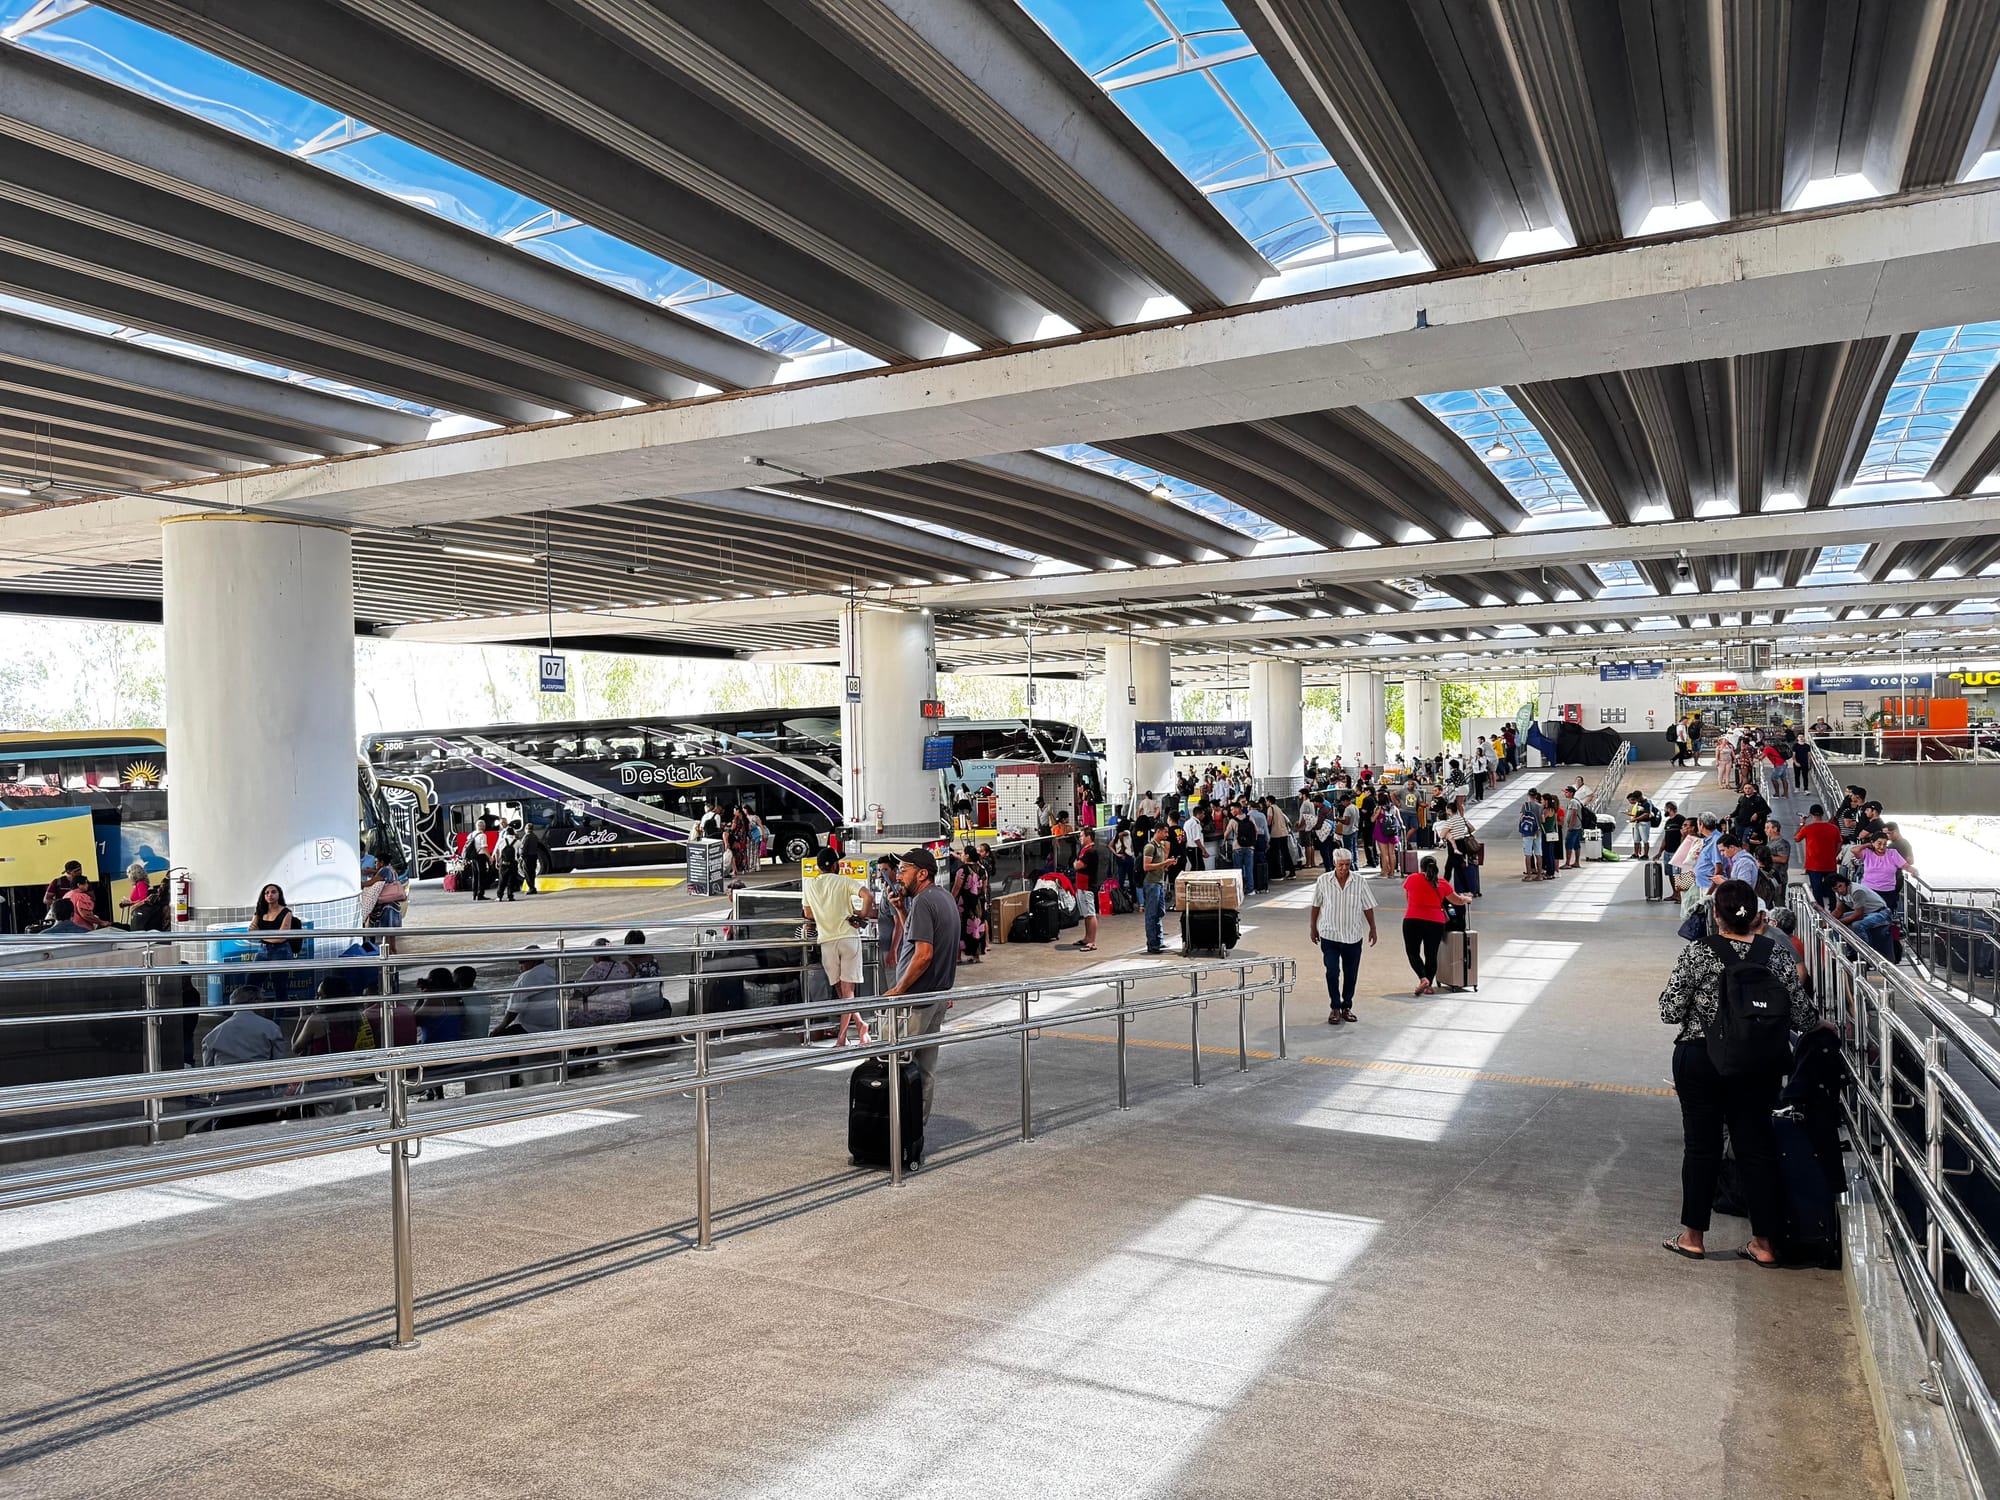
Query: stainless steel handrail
[
  {"x": 701, "y": 970},
  {"x": 400, "y": 1129},
  {"x": 1878, "y": 1008}
]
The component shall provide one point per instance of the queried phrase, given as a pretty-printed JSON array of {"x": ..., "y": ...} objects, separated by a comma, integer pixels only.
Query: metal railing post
[
  {"x": 152, "y": 1043},
  {"x": 703, "y": 1238},
  {"x": 896, "y": 1015},
  {"x": 1284, "y": 990},
  {"x": 399, "y": 1213},
  {"x": 1934, "y": 1061},
  {"x": 1122, "y": 1019},
  {"x": 1242, "y": 1018},
  {"x": 1027, "y": 1086},
  {"x": 1194, "y": 1035},
  {"x": 562, "y": 1025},
  {"x": 1887, "y": 1044}
]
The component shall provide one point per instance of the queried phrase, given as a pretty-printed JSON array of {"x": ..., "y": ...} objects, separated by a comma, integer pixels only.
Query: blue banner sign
[
  {"x": 937, "y": 752},
  {"x": 1630, "y": 671},
  {"x": 1191, "y": 737},
  {"x": 1869, "y": 682}
]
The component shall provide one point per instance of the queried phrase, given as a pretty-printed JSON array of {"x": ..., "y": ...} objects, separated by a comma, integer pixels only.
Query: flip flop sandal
[
  {"x": 1681, "y": 1250},
  {"x": 1772, "y": 1264}
]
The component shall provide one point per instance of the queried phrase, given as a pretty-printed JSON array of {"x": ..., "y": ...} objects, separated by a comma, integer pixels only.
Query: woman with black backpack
[{"x": 1736, "y": 998}]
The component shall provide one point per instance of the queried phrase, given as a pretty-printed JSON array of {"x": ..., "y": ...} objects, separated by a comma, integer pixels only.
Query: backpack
[
  {"x": 1531, "y": 825},
  {"x": 1752, "y": 1028},
  {"x": 1246, "y": 834},
  {"x": 1585, "y": 818}
]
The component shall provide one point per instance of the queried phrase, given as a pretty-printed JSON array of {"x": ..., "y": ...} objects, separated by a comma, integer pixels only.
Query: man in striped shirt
[{"x": 1343, "y": 912}]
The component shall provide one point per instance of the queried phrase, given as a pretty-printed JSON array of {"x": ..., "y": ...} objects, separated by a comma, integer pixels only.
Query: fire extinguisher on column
[{"x": 181, "y": 886}]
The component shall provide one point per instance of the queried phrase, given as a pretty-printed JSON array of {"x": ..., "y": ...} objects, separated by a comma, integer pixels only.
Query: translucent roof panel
[
  {"x": 1510, "y": 445},
  {"x": 1179, "y": 491},
  {"x": 162, "y": 67},
  {"x": 1941, "y": 374},
  {"x": 1836, "y": 562},
  {"x": 1621, "y": 575},
  {"x": 1186, "y": 75}
]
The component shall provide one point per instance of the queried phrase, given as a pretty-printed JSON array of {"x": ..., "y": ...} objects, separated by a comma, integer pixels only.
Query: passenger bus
[
  {"x": 631, "y": 791},
  {"x": 121, "y": 776}
]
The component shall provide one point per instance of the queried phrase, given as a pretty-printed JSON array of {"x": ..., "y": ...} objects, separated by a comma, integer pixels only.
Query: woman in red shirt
[{"x": 1424, "y": 897}]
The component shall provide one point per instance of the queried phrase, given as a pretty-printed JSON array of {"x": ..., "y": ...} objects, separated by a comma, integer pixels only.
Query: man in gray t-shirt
[{"x": 927, "y": 959}]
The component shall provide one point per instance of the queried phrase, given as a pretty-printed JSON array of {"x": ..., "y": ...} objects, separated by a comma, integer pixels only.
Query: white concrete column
[
  {"x": 1146, "y": 668},
  {"x": 1277, "y": 726},
  {"x": 1361, "y": 717},
  {"x": 262, "y": 758},
  {"x": 1423, "y": 717},
  {"x": 894, "y": 654}
]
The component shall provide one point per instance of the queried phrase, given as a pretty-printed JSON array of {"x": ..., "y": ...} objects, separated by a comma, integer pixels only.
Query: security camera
[{"x": 1683, "y": 569}]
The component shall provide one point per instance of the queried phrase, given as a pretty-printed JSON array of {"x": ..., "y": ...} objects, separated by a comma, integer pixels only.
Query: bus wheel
[{"x": 797, "y": 848}]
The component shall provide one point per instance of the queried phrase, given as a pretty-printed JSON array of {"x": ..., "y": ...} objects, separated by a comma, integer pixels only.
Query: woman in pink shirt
[
  {"x": 1880, "y": 866},
  {"x": 1425, "y": 897}
]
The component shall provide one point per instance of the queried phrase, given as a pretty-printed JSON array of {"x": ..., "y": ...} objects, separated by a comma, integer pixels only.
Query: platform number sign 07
[{"x": 555, "y": 674}]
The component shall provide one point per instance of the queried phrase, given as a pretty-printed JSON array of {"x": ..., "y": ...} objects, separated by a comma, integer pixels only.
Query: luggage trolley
[{"x": 1208, "y": 920}]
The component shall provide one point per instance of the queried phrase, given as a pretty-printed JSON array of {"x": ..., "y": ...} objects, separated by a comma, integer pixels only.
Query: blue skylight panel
[
  {"x": 1621, "y": 575},
  {"x": 1187, "y": 76},
  {"x": 1836, "y": 562},
  {"x": 161, "y": 67},
  {"x": 1510, "y": 445},
  {"x": 1941, "y": 374},
  {"x": 1179, "y": 491}
]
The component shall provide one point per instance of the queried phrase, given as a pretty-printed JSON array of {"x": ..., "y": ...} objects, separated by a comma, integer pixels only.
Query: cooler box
[
  {"x": 1212, "y": 888},
  {"x": 1005, "y": 910}
]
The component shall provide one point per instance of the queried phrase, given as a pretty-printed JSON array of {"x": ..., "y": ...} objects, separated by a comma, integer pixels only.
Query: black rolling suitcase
[
  {"x": 1656, "y": 881},
  {"x": 1809, "y": 1189},
  {"x": 868, "y": 1113}
]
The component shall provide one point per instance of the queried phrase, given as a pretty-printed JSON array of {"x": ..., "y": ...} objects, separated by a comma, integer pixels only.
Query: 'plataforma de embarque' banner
[{"x": 1191, "y": 737}]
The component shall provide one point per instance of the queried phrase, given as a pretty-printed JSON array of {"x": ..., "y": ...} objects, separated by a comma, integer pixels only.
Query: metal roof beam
[
  {"x": 183, "y": 388},
  {"x": 337, "y": 57},
  {"x": 60, "y": 109}
]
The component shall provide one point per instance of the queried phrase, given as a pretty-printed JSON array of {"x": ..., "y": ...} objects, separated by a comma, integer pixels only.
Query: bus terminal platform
[{"x": 1418, "y": 1256}]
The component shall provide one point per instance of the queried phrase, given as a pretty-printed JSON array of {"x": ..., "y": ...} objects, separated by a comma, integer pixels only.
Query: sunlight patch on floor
[
  {"x": 22, "y": 1228},
  {"x": 1450, "y": 1031},
  {"x": 1103, "y": 1386}
]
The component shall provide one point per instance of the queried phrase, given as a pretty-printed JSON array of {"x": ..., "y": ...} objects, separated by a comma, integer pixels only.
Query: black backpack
[
  {"x": 1246, "y": 833},
  {"x": 1585, "y": 818},
  {"x": 1752, "y": 1028}
]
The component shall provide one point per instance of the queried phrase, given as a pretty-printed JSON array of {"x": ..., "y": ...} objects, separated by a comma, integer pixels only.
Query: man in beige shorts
[{"x": 830, "y": 899}]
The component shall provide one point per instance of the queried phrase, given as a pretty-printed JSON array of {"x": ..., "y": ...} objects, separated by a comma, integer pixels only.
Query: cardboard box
[
  {"x": 1008, "y": 907},
  {"x": 1203, "y": 886}
]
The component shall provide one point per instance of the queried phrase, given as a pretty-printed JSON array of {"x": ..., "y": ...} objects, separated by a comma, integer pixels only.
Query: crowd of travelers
[{"x": 1756, "y": 1065}]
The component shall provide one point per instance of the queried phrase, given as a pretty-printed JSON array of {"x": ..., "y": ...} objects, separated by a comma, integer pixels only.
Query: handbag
[{"x": 1694, "y": 926}]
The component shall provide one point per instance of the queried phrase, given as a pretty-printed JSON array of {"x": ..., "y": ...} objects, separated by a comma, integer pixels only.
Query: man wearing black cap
[{"x": 927, "y": 954}]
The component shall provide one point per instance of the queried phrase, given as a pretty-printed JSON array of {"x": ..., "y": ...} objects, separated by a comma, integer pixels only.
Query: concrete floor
[{"x": 1418, "y": 1258}]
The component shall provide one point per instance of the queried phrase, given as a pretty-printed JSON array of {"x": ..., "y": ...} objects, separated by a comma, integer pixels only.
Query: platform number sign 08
[{"x": 555, "y": 674}]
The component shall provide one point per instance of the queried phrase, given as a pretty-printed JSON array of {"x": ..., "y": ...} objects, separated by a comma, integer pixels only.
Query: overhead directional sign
[
  {"x": 1191, "y": 737},
  {"x": 555, "y": 674}
]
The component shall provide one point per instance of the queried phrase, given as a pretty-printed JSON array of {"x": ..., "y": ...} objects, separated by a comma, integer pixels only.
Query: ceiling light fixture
[
  {"x": 14, "y": 489},
  {"x": 1159, "y": 491},
  {"x": 1498, "y": 451},
  {"x": 485, "y": 556}
]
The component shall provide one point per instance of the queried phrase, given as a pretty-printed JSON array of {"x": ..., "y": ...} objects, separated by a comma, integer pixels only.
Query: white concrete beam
[{"x": 1823, "y": 277}]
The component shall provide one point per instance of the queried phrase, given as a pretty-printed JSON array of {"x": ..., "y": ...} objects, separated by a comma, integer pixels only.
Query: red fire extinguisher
[{"x": 181, "y": 886}]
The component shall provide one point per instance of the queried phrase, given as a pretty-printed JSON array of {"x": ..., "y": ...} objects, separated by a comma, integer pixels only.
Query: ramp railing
[
  {"x": 1920, "y": 1102},
  {"x": 609, "y": 1064}
]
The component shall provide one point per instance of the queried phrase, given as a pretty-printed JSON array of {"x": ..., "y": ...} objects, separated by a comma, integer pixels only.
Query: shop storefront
[{"x": 1726, "y": 701}]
